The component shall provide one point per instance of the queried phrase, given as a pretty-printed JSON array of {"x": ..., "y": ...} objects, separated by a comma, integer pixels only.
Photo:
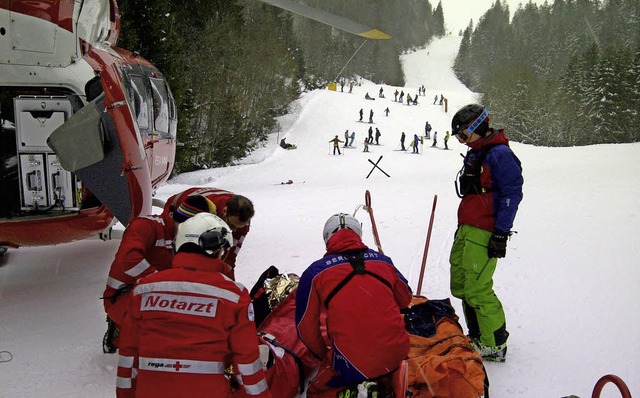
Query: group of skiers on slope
[{"x": 183, "y": 319}]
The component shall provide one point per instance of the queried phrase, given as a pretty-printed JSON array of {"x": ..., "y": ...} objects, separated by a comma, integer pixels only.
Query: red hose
[{"x": 624, "y": 390}]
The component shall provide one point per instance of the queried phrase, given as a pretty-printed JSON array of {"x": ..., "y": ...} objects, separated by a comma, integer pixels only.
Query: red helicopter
[{"x": 87, "y": 129}]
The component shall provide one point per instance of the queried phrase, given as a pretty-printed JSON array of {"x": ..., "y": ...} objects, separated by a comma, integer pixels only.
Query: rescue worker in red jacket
[
  {"x": 146, "y": 247},
  {"x": 235, "y": 210},
  {"x": 187, "y": 324},
  {"x": 361, "y": 292}
]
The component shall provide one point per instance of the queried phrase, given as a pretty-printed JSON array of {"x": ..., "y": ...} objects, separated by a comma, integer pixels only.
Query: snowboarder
[
  {"x": 221, "y": 323},
  {"x": 402, "y": 137},
  {"x": 435, "y": 139},
  {"x": 446, "y": 139},
  {"x": 371, "y": 116},
  {"x": 286, "y": 145},
  {"x": 378, "y": 134},
  {"x": 490, "y": 186},
  {"x": 336, "y": 145},
  {"x": 351, "y": 343},
  {"x": 361, "y": 114}
]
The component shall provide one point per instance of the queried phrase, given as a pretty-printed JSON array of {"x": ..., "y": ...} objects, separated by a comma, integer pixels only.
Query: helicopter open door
[{"x": 121, "y": 145}]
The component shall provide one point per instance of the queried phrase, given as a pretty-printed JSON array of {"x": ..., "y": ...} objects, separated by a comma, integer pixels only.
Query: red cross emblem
[{"x": 179, "y": 366}]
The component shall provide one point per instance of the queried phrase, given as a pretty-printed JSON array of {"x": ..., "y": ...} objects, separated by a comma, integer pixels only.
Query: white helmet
[
  {"x": 205, "y": 230},
  {"x": 339, "y": 221}
]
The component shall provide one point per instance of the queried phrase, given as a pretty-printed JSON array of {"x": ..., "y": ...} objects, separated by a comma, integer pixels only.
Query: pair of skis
[{"x": 376, "y": 236}]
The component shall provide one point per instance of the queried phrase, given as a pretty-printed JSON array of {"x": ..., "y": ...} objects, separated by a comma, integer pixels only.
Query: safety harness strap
[{"x": 357, "y": 263}]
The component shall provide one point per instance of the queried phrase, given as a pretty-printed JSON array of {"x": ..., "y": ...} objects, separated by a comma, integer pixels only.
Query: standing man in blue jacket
[{"x": 490, "y": 185}]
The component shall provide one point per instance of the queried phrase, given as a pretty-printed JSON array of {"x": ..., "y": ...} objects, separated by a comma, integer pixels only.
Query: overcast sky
[{"x": 457, "y": 13}]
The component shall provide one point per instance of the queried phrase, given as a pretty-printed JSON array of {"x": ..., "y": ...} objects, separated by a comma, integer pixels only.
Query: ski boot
[{"x": 488, "y": 353}]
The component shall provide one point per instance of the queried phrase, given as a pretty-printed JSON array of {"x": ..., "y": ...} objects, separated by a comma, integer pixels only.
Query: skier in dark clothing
[
  {"x": 378, "y": 134},
  {"x": 386, "y": 112},
  {"x": 370, "y": 135},
  {"x": 402, "y": 137},
  {"x": 336, "y": 145},
  {"x": 371, "y": 116},
  {"x": 361, "y": 114},
  {"x": 490, "y": 185}
]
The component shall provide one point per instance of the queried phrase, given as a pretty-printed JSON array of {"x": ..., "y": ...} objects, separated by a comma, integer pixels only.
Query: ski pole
[
  {"x": 376, "y": 237},
  {"x": 426, "y": 245}
]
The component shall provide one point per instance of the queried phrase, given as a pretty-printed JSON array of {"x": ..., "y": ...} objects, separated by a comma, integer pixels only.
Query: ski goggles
[{"x": 464, "y": 134}]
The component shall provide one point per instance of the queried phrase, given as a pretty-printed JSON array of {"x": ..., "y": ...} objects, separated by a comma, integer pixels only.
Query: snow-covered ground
[{"x": 569, "y": 283}]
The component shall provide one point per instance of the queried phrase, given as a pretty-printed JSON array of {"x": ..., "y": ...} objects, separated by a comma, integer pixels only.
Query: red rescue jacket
[
  {"x": 146, "y": 247},
  {"x": 220, "y": 198},
  {"x": 184, "y": 326},
  {"x": 363, "y": 319}
]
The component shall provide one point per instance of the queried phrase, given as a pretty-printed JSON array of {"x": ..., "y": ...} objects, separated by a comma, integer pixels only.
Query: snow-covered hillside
[{"x": 568, "y": 283}]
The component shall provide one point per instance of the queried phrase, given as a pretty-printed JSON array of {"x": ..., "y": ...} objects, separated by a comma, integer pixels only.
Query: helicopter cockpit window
[
  {"x": 161, "y": 108},
  {"x": 139, "y": 102}
]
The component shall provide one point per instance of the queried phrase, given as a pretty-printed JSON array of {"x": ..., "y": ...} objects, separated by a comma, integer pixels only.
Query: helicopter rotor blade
[{"x": 327, "y": 18}]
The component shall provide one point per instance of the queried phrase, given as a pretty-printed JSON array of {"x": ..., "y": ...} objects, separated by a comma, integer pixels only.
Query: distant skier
[
  {"x": 336, "y": 145},
  {"x": 402, "y": 137},
  {"x": 435, "y": 139},
  {"x": 353, "y": 137},
  {"x": 416, "y": 140},
  {"x": 378, "y": 134},
  {"x": 427, "y": 130},
  {"x": 401, "y": 98},
  {"x": 396, "y": 95},
  {"x": 381, "y": 93},
  {"x": 371, "y": 116},
  {"x": 370, "y": 134},
  {"x": 435, "y": 99},
  {"x": 446, "y": 139},
  {"x": 346, "y": 138},
  {"x": 386, "y": 112},
  {"x": 366, "y": 145},
  {"x": 409, "y": 99},
  {"x": 361, "y": 115}
]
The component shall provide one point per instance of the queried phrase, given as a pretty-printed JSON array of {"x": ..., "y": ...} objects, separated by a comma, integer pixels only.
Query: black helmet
[{"x": 473, "y": 117}]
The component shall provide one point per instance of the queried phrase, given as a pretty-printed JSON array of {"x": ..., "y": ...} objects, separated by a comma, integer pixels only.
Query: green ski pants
[{"x": 472, "y": 281}]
